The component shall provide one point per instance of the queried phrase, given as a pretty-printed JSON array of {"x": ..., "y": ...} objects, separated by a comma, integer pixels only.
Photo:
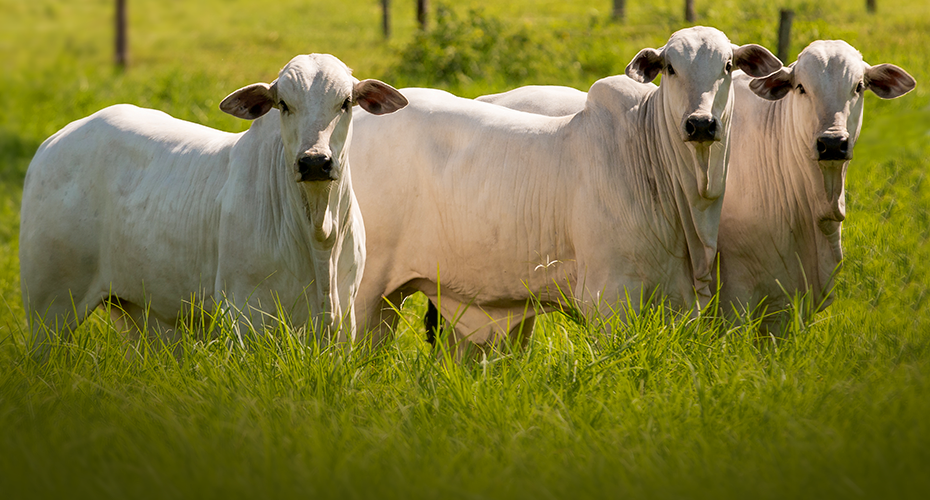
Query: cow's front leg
[
  {"x": 607, "y": 298},
  {"x": 233, "y": 316}
]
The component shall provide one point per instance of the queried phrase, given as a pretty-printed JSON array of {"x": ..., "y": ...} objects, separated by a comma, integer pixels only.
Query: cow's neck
[
  {"x": 824, "y": 232},
  {"x": 788, "y": 181},
  {"x": 329, "y": 213},
  {"x": 312, "y": 213},
  {"x": 322, "y": 226},
  {"x": 698, "y": 217},
  {"x": 329, "y": 207}
]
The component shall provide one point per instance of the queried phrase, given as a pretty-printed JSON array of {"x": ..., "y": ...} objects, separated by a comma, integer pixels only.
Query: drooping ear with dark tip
[
  {"x": 250, "y": 102},
  {"x": 377, "y": 97},
  {"x": 646, "y": 66},
  {"x": 889, "y": 81},
  {"x": 755, "y": 60},
  {"x": 773, "y": 87}
]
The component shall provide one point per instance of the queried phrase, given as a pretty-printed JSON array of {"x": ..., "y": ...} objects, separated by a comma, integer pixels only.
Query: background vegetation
[{"x": 662, "y": 409}]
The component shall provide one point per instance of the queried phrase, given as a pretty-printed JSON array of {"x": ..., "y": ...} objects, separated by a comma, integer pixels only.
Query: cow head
[
  {"x": 696, "y": 66},
  {"x": 826, "y": 86},
  {"x": 314, "y": 95}
]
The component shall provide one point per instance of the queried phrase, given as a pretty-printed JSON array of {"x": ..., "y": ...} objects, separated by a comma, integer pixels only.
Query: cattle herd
[{"x": 727, "y": 179}]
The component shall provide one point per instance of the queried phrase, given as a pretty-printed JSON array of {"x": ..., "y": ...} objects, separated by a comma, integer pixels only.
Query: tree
[
  {"x": 619, "y": 9},
  {"x": 784, "y": 33},
  {"x": 422, "y": 13},
  {"x": 689, "y": 11},
  {"x": 386, "y": 18},
  {"x": 121, "y": 56}
]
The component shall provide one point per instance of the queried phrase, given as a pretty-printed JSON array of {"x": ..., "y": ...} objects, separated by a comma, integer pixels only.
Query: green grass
[{"x": 663, "y": 409}]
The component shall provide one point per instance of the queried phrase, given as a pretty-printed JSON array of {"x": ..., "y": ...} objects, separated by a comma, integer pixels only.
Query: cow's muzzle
[
  {"x": 315, "y": 167},
  {"x": 833, "y": 147},
  {"x": 701, "y": 129}
]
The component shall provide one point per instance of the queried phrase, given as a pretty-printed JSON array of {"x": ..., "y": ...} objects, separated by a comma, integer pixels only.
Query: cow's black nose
[
  {"x": 833, "y": 148},
  {"x": 315, "y": 167},
  {"x": 701, "y": 128}
]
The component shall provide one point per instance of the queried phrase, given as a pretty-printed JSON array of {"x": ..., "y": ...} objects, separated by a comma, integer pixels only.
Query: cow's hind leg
[
  {"x": 383, "y": 323},
  {"x": 520, "y": 334},
  {"x": 431, "y": 320},
  {"x": 53, "y": 322},
  {"x": 136, "y": 323},
  {"x": 473, "y": 329}
]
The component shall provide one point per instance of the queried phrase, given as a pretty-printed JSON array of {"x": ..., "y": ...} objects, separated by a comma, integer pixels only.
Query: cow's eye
[
  {"x": 283, "y": 107},
  {"x": 729, "y": 66},
  {"x": 859, "y": 87},
  {"x": 670, "y": 70},
  {"x": 801, "y": 89},
  {"x": 347, "y": 104}
]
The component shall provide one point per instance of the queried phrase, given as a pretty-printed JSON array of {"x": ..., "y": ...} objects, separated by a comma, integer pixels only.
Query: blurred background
[{"x": 183, "y": 57}]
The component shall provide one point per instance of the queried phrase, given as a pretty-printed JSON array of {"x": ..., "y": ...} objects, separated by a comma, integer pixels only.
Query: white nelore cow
[
  {"x": 136, "y": 208},
  {"x": 785, "y": 202},
  {"x": 485, "y": 208},
  {"x": 782, "y": 216}
]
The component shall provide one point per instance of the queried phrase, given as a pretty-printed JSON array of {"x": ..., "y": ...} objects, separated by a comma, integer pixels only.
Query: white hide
[
  {"x": 551, "y": 100},
  {"x": 783, "y": 212},
  {"x": 500, "y": 206},
  {"x": 149, "y": 212}
]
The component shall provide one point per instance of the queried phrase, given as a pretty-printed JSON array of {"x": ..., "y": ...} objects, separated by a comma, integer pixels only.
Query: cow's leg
[
  {"x": 476, "y": 327},
  {"x": 50, "y": 324},
  {"x": 135, "y": 322},
  {"x": 431, "y": 322},
  {"x": 51, "y": 321},
  {"x": 436, "y": 323},
  {"x": 375, "y": 304},
  {"x": 382, "y": 324},
  {"x": 606, "y": 300},
  {"x": 521, "y": 333},
  {"x": 56, "y": 292},
  {"x": 124, "y": 320},
  {"x": 233, "y": 315}
]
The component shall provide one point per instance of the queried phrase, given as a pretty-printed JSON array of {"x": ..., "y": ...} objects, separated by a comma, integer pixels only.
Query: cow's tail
[{"x": 431, "y": 322}]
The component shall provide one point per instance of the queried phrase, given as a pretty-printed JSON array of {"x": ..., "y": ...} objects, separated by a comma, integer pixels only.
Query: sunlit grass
[{"x": 576, "y": 413}]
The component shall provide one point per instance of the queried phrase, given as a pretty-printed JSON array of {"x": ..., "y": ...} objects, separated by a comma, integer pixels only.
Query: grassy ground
[{"x": 663, "y": 409}]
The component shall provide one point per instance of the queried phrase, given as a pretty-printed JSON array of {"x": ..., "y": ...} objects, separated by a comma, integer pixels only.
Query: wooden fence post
[
  {"x": 870, "y": 6},
  {"x": 784, "y": 33},
  {"x": 422, "y": 13},
  {"x": 689, "y": 11},
  {"x": 386, "y": 18},
  {"x": 121, "y": 57},
  {"x": 619, "y": 10}
]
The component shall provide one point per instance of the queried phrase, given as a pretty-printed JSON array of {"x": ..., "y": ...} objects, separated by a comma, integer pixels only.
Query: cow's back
[
  {"x": 551, "y": 100},
  {"x": 124, "y": 197}
]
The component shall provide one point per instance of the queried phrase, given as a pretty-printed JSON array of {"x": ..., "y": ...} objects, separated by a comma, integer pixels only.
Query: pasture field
[{"x": 665, "y": 408}]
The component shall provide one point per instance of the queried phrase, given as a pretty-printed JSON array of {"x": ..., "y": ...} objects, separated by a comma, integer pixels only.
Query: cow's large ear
[
  {"x": 377, "y": 97},
  {"x": 646, "y": 66},
  {"x": 774, "y": 86},
  {"x": 755, "y": 60},
  {"x": 250, "y": 102},
  {"x": 889, "y": 81}
]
